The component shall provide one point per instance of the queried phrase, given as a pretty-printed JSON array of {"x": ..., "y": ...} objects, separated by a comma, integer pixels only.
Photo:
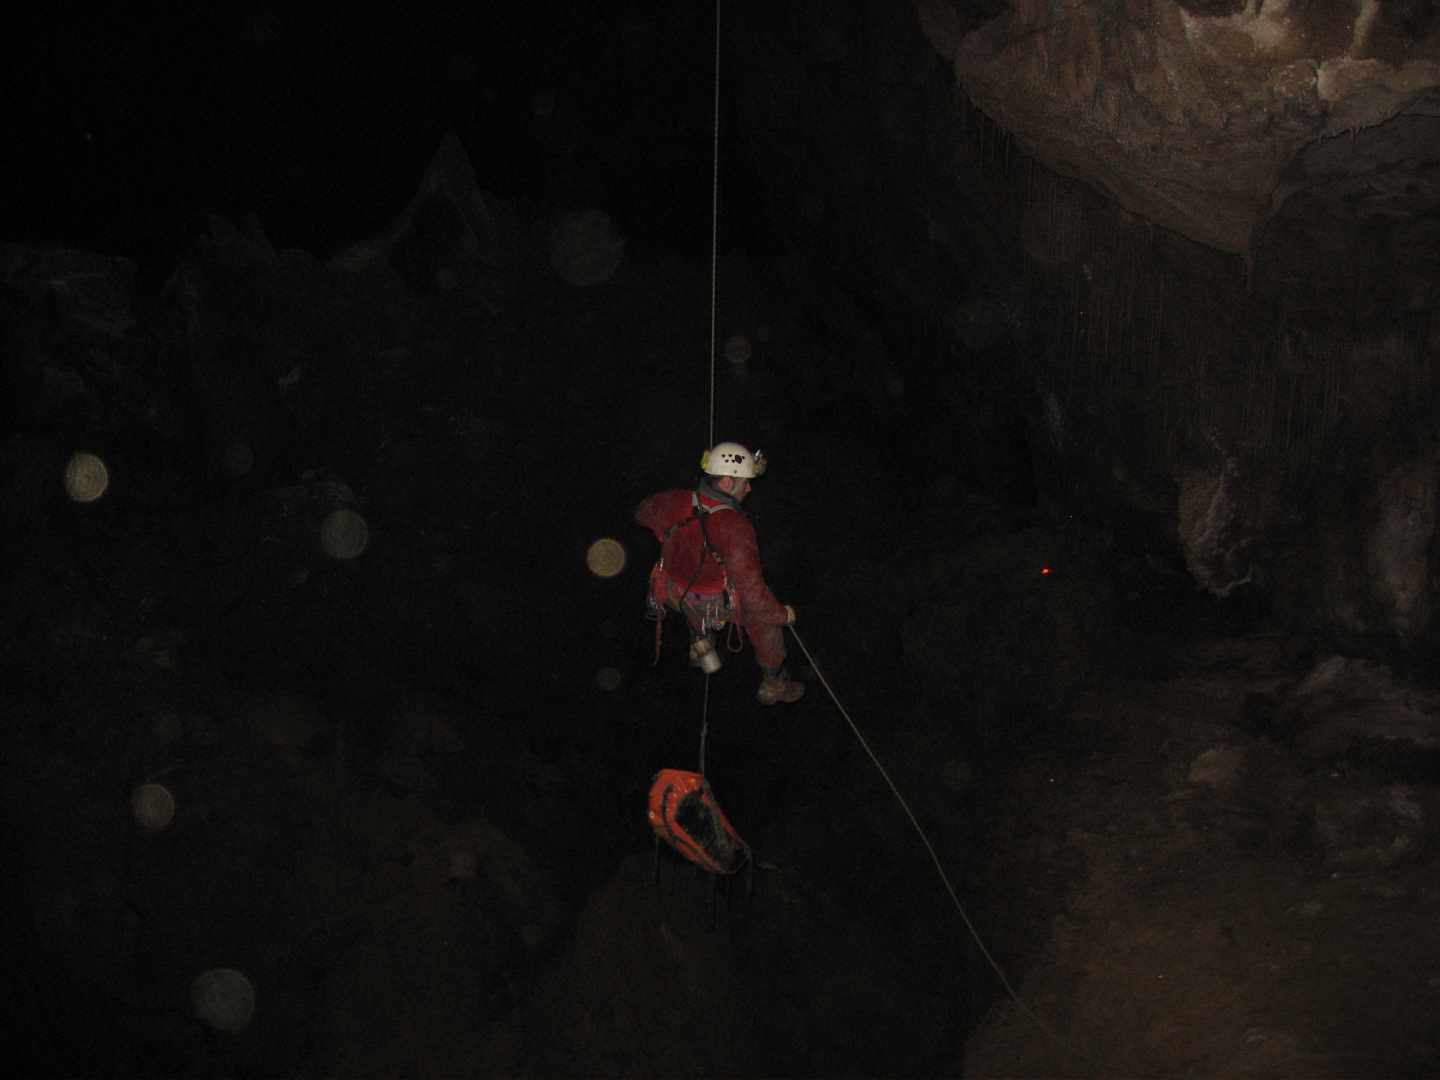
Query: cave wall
[
  {"x": 1188, "y": 112},
  {"x": 1291, "y": 415}
]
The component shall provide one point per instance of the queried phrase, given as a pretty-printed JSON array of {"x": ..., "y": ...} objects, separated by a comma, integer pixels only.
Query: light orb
[
  {"x": 605, "y": 557},
  {"x": 223, "y": 999},
  {"x": 344, "y": 534},
  {"x": 738, "y": 349},
  {"x": 86, "y": 477},
  {"x": 153, "y": 806}
]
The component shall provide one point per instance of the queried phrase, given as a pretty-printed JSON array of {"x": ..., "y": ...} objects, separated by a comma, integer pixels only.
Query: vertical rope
[
  {"x": 704, "y": 723},
  {"x": 714, "y": 288},
  {"x": 714, "y": 227}
]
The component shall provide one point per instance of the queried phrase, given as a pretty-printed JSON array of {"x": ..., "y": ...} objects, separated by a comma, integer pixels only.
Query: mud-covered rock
[
  {"x": 1360, "y": 828},
  {"x": 1345, "y": 702}
]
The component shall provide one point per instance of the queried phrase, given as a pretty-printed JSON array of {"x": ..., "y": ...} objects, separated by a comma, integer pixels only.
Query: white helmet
[{"x": 732, "y": 459}]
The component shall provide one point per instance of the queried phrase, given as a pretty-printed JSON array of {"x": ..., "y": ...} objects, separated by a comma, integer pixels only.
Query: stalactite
[
  {"x": 1332, "y": 388},
  {"x": 1247, "y": 410},
  {"x": 1054, "y": 228},
  {"x": 1322, "y": 406},
  {"x": 1157, "y": 320},
  {"x": 1290, "y": 415},
  {"x": 1123, "y": 335},
  {"x": 1062, "y": 354},
  {"x": 1426, "y": 367},
  {"x": 1198, "y": 356},
  {"x": 1275, "y": 397},
  {"x": 1279, "y": 343},
  {"x": 1416, "y": 360},
  {"x": 1122, "y": 308},
  {"x": 1132, "y": 278},
  {"x": 1302, "y": 421},
  {"x": 1074, "y": 319},
  {"x": 1100, "y": 311},
  {"x": 1112, "y": 318},
  {"x": 1106, "y": 311}
]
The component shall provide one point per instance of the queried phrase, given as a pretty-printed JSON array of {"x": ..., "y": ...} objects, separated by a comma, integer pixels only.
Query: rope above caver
[
  {"x": 714, "y": 226},
  {"x": 714, "y": 291}
]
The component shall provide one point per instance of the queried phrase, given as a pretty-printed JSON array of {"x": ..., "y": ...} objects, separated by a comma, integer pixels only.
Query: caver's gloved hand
[{"x": 790, "y": 615}]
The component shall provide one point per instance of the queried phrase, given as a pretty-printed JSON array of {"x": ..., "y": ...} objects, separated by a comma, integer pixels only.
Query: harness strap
[{"x": 698, "y": 512}]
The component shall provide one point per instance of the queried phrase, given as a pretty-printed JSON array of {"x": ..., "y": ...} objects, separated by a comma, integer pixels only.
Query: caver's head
[{"x": 731, "y": 467}]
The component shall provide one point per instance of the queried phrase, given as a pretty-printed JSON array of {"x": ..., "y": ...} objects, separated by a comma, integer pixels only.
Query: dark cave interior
[{"x": 359, "y": 435}]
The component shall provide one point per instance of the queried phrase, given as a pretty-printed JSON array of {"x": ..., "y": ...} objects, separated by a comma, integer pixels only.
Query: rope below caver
[
  {"x": 935, "y": 858},
  {"x": 704, "y": 723}
]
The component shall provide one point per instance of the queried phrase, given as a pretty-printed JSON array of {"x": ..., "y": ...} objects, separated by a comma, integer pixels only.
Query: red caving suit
[{"x": 690, "y": 578}]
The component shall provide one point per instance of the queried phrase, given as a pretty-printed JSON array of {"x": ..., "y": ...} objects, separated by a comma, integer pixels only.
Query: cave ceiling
[{"x": 1302, "y": 136}]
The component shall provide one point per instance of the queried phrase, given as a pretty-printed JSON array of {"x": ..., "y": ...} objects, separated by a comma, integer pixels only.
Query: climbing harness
[{"x": 715, "y": 611}]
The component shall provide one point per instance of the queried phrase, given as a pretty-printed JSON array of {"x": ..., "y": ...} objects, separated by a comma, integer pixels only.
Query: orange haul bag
[{"x": 684, "y": 813}]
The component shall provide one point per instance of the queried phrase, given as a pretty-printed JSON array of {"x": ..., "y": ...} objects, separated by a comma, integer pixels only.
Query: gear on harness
[
  {"x": 703, "y": 654},
  {"x": 714, "y": 613}
]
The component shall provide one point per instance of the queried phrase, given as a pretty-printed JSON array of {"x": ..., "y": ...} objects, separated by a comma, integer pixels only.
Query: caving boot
[{"x": 778, "y": 688}]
